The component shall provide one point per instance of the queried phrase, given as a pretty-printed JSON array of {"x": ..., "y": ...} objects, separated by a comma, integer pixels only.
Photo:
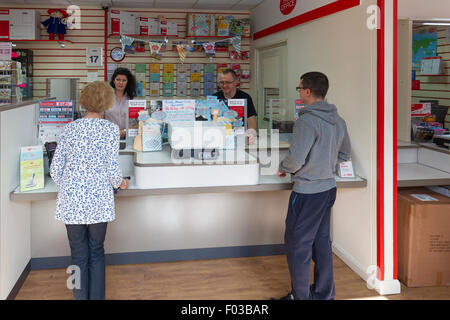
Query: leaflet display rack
[{"x": 10, "y": 73}]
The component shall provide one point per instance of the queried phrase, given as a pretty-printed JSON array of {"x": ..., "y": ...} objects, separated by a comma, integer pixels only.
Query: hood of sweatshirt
[{"x": 323, "y": 110}]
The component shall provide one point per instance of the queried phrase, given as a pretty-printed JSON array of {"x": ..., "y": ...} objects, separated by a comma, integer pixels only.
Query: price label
[{"x": 94, "y": 57}]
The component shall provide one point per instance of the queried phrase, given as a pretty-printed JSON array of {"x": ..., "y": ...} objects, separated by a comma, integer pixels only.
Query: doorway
[{"x": 272, "y": 85}]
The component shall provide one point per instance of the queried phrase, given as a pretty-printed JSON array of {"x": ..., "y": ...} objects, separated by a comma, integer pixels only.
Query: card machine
[{"x": 50, "y": 148}]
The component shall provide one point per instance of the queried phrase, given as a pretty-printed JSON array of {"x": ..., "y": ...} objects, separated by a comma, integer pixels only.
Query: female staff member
[
  {"x": 85, "y": 167},
  {"x": 124, "y": 85}
]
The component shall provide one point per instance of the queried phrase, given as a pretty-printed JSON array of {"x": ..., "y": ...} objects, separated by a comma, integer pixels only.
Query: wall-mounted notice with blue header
[
  {"x": 55, "y": 112},
  {"x": 53, "y": 116}
]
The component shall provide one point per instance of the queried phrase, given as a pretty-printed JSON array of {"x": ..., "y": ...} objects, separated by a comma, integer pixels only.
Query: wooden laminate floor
[{"x": 254, "y": 278}]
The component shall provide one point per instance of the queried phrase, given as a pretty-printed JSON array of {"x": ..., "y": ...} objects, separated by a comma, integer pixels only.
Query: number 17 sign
[{"x": 94, "y": 57}]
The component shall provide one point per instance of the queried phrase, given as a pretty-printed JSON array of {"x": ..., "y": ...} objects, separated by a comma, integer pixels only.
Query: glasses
[
  {"x": 300, "y": 88},
  {"x": 225, "y": 82}
]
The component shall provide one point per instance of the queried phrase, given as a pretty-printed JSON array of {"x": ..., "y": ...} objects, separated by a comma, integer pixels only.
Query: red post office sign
[{"x": 287, "y": 6}]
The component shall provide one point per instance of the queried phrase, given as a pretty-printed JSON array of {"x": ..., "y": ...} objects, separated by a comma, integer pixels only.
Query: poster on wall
[{"x": 424, "y": 44}]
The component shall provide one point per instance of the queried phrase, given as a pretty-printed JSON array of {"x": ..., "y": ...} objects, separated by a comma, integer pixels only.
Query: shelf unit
[
  {"x": 143, "y": 35},
  {"x": 24, "y": 40},
  {"x": 9, "y": 75},
  {"x": 218, "y": 37}
]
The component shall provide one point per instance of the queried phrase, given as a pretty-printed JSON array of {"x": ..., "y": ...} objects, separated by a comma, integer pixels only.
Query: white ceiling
[{"x": 165, "y": 4}]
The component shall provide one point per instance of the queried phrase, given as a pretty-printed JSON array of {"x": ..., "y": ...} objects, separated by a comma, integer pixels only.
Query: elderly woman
[{"x": 85, "y": 167}]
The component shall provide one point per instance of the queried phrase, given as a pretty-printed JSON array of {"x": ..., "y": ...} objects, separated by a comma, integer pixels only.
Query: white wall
[
  {"x": 342, "y": 47},
  {"x": 420, "y": 9},
  {"x": 17, "y": 130},
  {"x": 271, "y": 12}
]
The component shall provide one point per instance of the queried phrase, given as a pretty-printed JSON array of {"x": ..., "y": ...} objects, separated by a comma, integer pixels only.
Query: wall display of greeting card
[
  {"x": 196, "y": 74},
  {"x": 182, "y": 79},
  {"x": 154, "y": 79},
  {"x": 168, "y": 75},
  {"x": 141, "y": 85},
  {"x": 208, "y": 80}
]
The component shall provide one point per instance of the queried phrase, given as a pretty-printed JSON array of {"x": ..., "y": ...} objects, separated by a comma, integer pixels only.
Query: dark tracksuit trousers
[{"x": 307, "y": 237}]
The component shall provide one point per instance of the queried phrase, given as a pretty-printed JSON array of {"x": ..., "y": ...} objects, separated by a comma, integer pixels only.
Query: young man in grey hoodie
[{"x": 319, "y": 141}]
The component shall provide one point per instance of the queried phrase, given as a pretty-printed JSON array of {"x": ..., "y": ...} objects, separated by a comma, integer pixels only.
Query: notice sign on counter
[
  {"x": 346, "y": 170},
  {"x": 240, "y": 107},
  {"x": 298, "y": 104},
  {"x": 31, "y": 168},
  {"x": 179, "y": 110},
  {"x": 134, "y": 106}
]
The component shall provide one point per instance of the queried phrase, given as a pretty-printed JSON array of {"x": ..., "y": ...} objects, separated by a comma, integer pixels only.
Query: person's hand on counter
[
  {"x": 122, "y": 134},
  {"x": 281, "y": 174},
  {"x": 251, "y": 136},
  {"x": 125, "y": 184}
]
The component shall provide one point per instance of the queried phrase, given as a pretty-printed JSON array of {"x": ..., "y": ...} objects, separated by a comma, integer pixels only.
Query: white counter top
[
  {"x": 416, "y": 174},
  {"x": 266, "y": 183}
]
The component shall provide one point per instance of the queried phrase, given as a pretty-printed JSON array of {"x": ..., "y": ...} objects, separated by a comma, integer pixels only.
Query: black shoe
[{"x": 289, "y": 296}]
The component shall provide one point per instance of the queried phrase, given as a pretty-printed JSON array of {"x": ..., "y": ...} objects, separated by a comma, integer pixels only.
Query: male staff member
[
  {"x": 320, "y": 139},
  {"x": 228, "y": 83}
]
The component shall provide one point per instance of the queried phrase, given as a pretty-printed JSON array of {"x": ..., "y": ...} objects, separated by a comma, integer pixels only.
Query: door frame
[{"x": 258, "y": 89}]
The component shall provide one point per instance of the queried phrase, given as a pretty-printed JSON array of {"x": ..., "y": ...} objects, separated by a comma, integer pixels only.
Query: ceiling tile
[
  {"x": 175, "y": 4},
  {"x": 214, "y": 4},
  {"x": 247, "y": 4},
  {"x": 61, "y": 3}
]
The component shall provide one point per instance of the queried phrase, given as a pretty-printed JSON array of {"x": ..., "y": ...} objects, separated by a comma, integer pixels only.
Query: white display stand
[{"x": 159, "y": 170}]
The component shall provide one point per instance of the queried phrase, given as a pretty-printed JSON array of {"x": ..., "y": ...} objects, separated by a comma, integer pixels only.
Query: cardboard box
[
  {"x": 153, "y": 27},
  {"x": 423, "y": 238},
  {"x": 143, "y": 26},
  {"x": 123, "y": 22},
  {"x": 114, "y": 22},
  {"x": 130, "y": 23},
  {"x": 24, "y": 24},
  {"x": 172, "y": 28}
]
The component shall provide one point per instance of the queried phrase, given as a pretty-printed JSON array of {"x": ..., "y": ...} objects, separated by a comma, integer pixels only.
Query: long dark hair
[{"x": 130, "y": 89}]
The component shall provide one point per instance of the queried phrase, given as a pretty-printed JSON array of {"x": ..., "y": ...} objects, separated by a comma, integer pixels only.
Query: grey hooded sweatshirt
[{"x": 320, "y": 138}]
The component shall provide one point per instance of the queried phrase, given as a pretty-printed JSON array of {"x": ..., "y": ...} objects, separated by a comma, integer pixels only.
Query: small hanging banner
[
  {"x": 236, "y": 42},
  {"x": 154, "y": 50},
  {"x": 181, "y": 52},
  {"x": 126, "y": 41},
  {"x": 210, "y": 49}
]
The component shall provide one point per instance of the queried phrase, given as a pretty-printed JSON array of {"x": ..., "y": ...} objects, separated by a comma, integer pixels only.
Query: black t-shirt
[{"x": 251, "y": 111}]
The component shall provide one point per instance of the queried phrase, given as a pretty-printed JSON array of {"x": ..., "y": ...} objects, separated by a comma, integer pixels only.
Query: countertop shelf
[{"x": 266, "y": 183}]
